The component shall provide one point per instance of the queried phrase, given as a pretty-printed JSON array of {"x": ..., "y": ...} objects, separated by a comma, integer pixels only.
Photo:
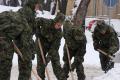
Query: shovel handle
[{"x": 111, "y": 57}]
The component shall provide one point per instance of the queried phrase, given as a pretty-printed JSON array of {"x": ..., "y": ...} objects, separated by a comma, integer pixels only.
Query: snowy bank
[{"x": 113, "y": 74}]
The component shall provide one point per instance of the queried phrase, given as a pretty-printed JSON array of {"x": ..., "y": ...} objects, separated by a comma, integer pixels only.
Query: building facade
[{"x": 104, "y": 8}]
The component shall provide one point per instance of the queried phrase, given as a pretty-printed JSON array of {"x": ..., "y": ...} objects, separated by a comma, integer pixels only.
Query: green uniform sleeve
[
  {"x": 114, "y": 44},
  {"x": 13, "y": 31},
  {"x": 41, "y": 21},
  {"x": 95, "y": 42},
  {"x": 55, "y": 45}
]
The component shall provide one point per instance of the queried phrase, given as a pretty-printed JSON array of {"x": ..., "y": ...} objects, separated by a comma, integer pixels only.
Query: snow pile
[
  {"x": 91, "y": 56},
  {"x": 45, "y": 14},
  {"x": 113, "y": 74},
  {"x": 8, "y": 8}
]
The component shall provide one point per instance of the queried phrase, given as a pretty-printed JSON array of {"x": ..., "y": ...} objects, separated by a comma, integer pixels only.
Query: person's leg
[
  {"x": 66, "y": 67},
  {"x": 106, "y": 64},
  {"x": 79, "y": 68},
  {"x": 55, "y": 60},
  {"x": 40, "y": 66},
  {"x": 6, "y": 56},
  {"x": 25, "y": 66}
]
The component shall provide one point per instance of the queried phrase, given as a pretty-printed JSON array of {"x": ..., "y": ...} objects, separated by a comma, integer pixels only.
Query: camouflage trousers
[
  {"x": 24, "y": 64},
  {"x": 106, "y": 63},
  {"x": 77, "y": 64},
  {"x": 55, "y": 61},
  {"x": 24, "y": 69},
  {"x": 6, "y": 55}
]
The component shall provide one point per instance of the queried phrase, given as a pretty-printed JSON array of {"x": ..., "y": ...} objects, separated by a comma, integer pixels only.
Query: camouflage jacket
[
  {"x": 15, "y": 26},
  {"x": 74, "y": 36},
  {"x": 25, "y": 39},
  {"x": 108, "y": 42},
  {"x": 10, "y": 24},
  {"x": 47, "y": 32}
]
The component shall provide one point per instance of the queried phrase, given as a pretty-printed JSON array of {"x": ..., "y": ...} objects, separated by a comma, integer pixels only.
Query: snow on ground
[
  {"x": 113, "y": 74},
  {"x": 7, "y": 8},
  {"x": 91, "y": 61}
]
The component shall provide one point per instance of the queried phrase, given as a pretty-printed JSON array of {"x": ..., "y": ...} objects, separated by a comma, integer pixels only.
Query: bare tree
[
  {"x": 54, "y": 7},
  {"x": 47, "y": 5},
  {"x": 63, "y": 6},
  {"x": 70, "y": 6},
  {"x": 23, "y": 2},
  {"x": 14, "y": 3},
  {"x": 79, "y": 17}
]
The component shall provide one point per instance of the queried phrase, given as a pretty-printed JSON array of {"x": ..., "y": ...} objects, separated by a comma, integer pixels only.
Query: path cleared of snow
[{"x": 90, "y": 72}]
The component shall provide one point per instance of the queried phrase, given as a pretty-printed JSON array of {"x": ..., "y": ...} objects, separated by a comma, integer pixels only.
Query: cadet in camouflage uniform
[
  {"x": 105, "y": 38},
  {"x": 10, "y": 28},
  {"x": 15, "y": 26},
  {"x": 76, "y": 42},
  {"x": 49, "y": 32},
  {"x": 25, "y": 42}
]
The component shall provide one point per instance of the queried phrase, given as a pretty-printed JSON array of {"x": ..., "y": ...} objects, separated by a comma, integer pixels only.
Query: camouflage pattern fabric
[
  {"x": 26, "y": 44},
  {"x": 10, "y": 28},
  {"x": 76, "y": 42},
  {"x": 108, "y": 42},
  {"x": 50, "y": 40},
  {"x": 17, "y": 26}
]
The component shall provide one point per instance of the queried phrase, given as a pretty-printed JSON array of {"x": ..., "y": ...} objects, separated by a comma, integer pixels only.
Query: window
[{"x": 110, "y": 3}]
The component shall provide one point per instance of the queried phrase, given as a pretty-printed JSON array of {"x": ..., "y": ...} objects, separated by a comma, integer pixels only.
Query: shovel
[{"x": 115, "y": 59}]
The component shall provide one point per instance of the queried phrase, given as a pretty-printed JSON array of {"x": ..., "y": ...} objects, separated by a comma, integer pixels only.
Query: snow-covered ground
[{"x": 91, "y": 59}]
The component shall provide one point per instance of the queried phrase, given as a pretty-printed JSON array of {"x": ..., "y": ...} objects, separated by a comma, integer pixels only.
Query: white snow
[
  {"x": 113, "y": 74},
  {"x": 8, "y": 8},
  {"x": 91, "y": 62}
]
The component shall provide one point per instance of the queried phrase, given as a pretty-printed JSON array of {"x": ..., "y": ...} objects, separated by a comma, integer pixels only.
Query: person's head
[
  {"x": 33, "y": 4},
  {"x": 102, "y": 26},
  {"x": 59, "y": 19}
]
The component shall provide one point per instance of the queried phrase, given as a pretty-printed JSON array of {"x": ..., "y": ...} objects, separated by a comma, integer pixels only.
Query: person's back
[{"x": 73, "y": 35}]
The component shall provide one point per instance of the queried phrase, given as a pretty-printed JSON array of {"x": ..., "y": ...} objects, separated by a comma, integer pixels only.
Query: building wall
[{"x": 97, "y": 8}]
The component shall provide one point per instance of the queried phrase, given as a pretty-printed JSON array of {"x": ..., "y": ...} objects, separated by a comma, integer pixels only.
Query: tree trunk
[
  {"x": 63, "y": 6},
  {"x": 59, "y": 5},
  {"x": 4, "y": 2},
  {"x": 54, "y": 7},
  {"x": 13, "y": 3},
  {"x": 47, "y": 5},
  {"x": 70, "y": 5},
  {"x": 23, "y": 2},
  {"x": 79, "y": 17}
]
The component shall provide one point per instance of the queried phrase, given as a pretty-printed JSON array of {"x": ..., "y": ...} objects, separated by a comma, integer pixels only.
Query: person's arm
[
  {"x": 55, "y": 45},
  {"x": 13, "y": 31},
  {"x": 42, "y": 21},
  {"x": 114, "y": 44},
  {"x": 95, "y": 42}
]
